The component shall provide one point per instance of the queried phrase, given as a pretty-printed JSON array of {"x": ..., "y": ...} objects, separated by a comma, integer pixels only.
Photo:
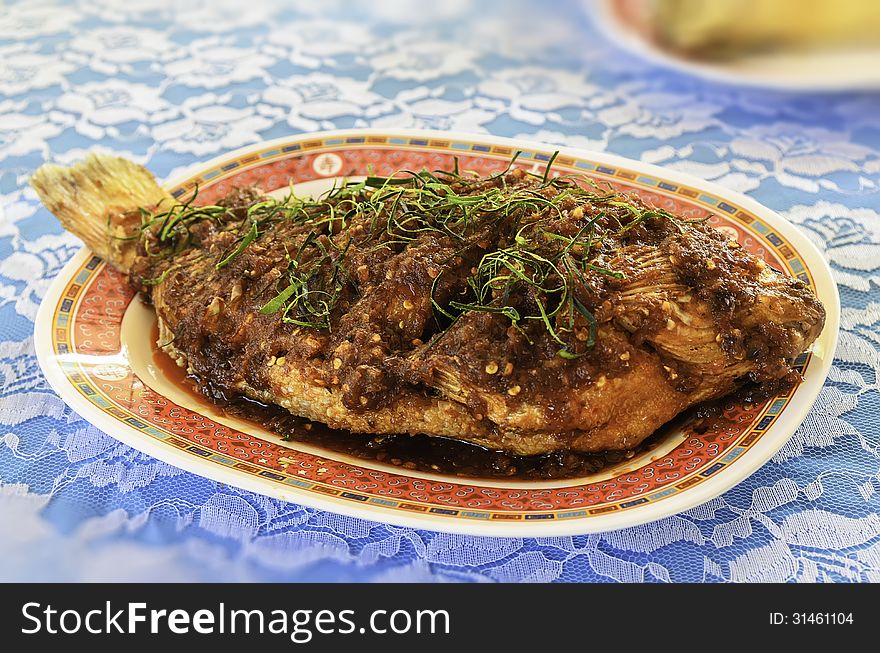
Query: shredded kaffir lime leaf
[{"x": 552, "y": 270}]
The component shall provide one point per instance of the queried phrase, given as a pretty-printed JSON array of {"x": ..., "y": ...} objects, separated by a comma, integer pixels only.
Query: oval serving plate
[{"x": 93, "y": 343}]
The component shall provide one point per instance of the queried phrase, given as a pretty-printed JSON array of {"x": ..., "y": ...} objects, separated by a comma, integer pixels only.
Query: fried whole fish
[{"x": 519, "y": 312}]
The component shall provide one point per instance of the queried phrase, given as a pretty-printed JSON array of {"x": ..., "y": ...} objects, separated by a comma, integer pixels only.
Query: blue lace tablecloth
[{"x": 172, "y": 82}]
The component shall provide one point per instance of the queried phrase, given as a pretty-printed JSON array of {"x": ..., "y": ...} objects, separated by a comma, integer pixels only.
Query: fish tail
[{"x": 98, "y": 200}]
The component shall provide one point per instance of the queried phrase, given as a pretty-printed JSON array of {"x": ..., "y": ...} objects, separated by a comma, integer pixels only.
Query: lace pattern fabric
[{"x": 168, "y": 84}]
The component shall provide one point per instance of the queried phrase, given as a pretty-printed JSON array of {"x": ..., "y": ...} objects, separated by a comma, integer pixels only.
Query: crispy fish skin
[
  {"x": 292, "y": 382},
  {"x": 686, "y": 316}
]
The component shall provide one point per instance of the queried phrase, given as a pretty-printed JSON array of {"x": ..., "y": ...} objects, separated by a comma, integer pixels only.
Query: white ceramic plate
[
  {"x": 824, "y": 70},
  {"x": 93, "y": 341}
]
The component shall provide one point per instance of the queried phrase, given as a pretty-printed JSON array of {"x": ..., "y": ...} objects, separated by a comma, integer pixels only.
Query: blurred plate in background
[{"x": 824, "y": 70}]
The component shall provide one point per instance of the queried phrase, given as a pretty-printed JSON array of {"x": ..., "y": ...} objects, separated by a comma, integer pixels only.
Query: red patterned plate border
[{"x": 80, "y": 345}]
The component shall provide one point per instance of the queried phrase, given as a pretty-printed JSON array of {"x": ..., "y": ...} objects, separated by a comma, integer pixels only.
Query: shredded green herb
[
  {"x": 252, "y": 234},
  {"x": 531, "y": 274}
]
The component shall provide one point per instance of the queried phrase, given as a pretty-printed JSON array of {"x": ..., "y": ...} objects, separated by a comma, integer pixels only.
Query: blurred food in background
[
  {"x": 805, "y": 44},
  {"x": 719, "y": 29}
]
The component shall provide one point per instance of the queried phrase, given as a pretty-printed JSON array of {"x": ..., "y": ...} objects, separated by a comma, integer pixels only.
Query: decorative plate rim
[{"x": 802, "y": 398}]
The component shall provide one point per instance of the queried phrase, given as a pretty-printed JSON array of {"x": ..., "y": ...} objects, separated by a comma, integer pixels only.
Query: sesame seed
[
  {"x": 601, "y": 381},
  {"x": 670, "y": 324},
  {"x": 376, "y": 338},
  {"x": 624, "y": 356},
  {"x": 363, "y": 401},
  {"x": 718, "y": 338},
  {"x": 337, "y": 363},
  {"x": 514, "y": 391},
  {"x": 491, "y": 368},
  {"x": 710, "y": 264},
  {"x": 400, "y": 325},
  {"x": 408, "y": 305},
  {"x": 271, "y": 361},
  {"x": 508, "y": 368},
  {"x": 280, "y": 360}
]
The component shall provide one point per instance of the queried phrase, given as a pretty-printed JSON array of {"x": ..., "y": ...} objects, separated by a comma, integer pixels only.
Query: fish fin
[
  {"x": 98, "y": 201},
  {"x": 448, "y": 383}
]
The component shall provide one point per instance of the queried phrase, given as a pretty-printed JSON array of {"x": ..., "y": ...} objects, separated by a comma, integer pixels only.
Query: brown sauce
[{"x": 439, "y": 455}]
